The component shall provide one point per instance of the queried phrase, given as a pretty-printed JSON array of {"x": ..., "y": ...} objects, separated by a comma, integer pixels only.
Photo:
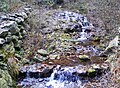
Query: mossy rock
[
  {"x": 3, "y": 66},
  {"x": 17, "y": 45},
  {"x": 91, "y": 72},
  {"x": 84, "y": 57},
  {"x": 43, "y": 52},
  {"x": 3, "y": 34},
  {"x": 38, "y": 58},
  {"x": 25, "y": 61},
  {"x": 14, "y": 30},
  {"x": 9, "y": 47},
  {"x": 5, "y": 79},
  {"x": 2, "y": 57}
]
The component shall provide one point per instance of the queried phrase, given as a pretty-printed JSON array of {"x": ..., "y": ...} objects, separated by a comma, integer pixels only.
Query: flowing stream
[{"x": 63, "y": 75}]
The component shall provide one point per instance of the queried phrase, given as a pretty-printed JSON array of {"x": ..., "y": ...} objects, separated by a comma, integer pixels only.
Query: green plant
[{"x": 4, "y": 6}]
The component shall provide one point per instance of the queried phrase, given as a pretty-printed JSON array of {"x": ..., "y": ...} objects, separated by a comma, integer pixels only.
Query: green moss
[
  {"x": 6, "y": 80},
  {"x": 84, "y": 57},
  {"x": 4, "y": 6},
  {"x": 91, "y": 72}
]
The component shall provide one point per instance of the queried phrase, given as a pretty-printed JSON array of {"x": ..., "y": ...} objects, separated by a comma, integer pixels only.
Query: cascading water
[
  {"x": 75, "y": 19},
  {"x": 65, "y": 77},
  {"x": 62, "y": 77},
  {"x": 83, "y": 35}
]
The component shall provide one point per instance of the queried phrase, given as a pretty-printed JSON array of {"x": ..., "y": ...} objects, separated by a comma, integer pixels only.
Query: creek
[{"x": 73, "y": 69}]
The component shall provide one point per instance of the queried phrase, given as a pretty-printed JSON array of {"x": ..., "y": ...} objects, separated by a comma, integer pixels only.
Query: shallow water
[{"x": 62, "y": 77}]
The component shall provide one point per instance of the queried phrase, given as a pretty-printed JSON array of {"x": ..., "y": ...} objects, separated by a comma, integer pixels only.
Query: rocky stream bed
[
  {"x": 56, "y": 48},
  {"x": 72, "y": 54}
]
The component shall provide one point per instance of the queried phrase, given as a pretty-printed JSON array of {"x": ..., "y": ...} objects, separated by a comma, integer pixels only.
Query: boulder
[
  {"x": 39, "y": 58},
  {"x": 14, "y": 30},
  {"x": 91, "y": 72},
  {"x": 2, "y": 41},
  {"x": 21, "y": 14},
  {"x": 3, "y": 33},
  {"x": 84, "y": 57},
  {"x": 52, "y": 57},
  {"x": 8, "y": 38},
  {"x": 3, "y": 17},
  {"x": 12, "y": 38},
  {"x": 43, "y": 52},
  {"x": 27, "y": 10},
  {"x": 19, "y": 19},
  {"x": 47, "y": 30},
  {"x": 7, "y": 24},
  {"x": 37, "y": 70},
  {"x": 10, "y": 26}
]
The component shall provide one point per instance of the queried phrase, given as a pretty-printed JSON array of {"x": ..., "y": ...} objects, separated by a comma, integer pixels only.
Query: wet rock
[
  {"x": 25, "y": 61},
  {"x": 9, "y": 48},
  {"x": 3, "y": 33},
  {"x": 82, "y": 72},
  {"x": 72, "y": 28},
  {"x": 2, "y": 41},
  {"x": 84, "y": 57},
  {"x": 15, "y": 39},
  {"x": 3, "y": 17},
  {"x": 8, "y": 38},
  {"x": 19, "y": 19},
  {"x": 47, "y": 30},
  {"x": 10, "y": 26},
  {"x": 18, "y": 56},
  {"x": 7, "y": 24},
  {"x": 12, "y": 38},
  {"x": 59, "y": 1},
  {"x": 2, "y": 57},
  {"x": 91, "y": 72},
  {"x": 105, "y": 66},
  {"x": 18, "y": 45},
  {"x": 52, "y": 57},
  {"x": 99, "y": 70},
  {"x": 21, "y": 14},
  {"x": 14, "y": 30},
  {"x": 37, "y": 70},
  {"x": 96, "y": 39},
  {"x": 12, "y": 17},
  {"x": 96, "y": 66},
  {"x": 39, "y": 58},
  {"x": 27, "y": 10},
  {"x": 23, "y": 33},
  {"x": 43, "y": 52}
]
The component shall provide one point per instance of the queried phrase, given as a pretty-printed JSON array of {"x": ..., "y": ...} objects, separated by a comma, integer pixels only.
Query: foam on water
[{"x": 60, "y": 78}]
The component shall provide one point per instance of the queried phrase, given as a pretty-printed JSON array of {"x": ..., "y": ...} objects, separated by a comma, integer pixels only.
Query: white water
[
  {"x": 83, "y": 35},
  {"x": 60, "y": 78}
]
